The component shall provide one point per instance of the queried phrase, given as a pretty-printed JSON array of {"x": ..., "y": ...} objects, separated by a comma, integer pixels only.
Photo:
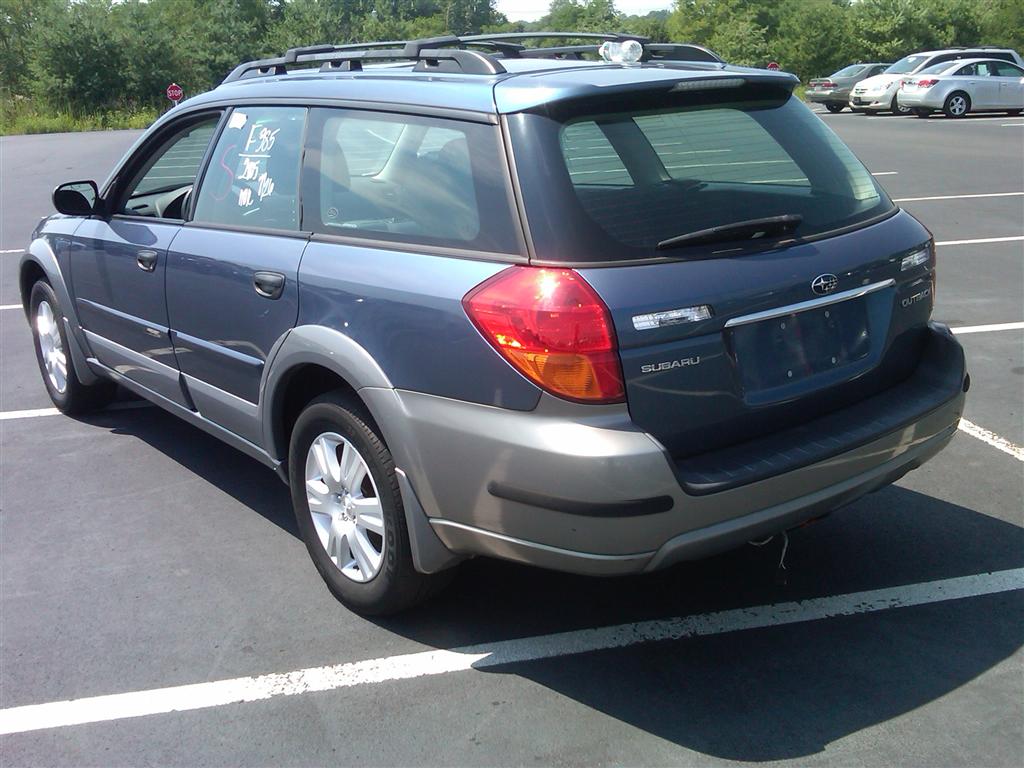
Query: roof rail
[
  {"x": 449, "y": 53},
  {"x": 428, "y": 53},
  {"x": 652, "y": 52}
]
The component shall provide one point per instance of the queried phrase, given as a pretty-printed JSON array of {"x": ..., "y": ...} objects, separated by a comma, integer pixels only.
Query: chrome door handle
[
  {"x": 146, "y": 260},
  {"x": 269, "y": 285}
]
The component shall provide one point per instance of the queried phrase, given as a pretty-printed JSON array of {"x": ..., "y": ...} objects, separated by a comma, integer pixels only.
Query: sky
[{"x": 531, "y": 10}]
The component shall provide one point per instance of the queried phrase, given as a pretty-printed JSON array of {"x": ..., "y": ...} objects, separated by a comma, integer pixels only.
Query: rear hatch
[{"x": 731, "y": 334}]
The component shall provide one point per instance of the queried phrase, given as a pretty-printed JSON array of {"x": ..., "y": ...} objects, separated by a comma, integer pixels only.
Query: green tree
[{"x": 814, "y": 37}]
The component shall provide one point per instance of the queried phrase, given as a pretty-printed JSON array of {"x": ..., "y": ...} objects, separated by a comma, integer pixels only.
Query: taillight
[
  {"x": 551, "y": 325},
  {"x": 827, "y": 84},
  {"x": 926, "y": 83}
]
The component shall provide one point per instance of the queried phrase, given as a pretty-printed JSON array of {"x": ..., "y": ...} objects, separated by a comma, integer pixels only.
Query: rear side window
[
  {"x": 1005, "y": 69},
  {"x": 407, "y": 179},
  {"x": 849, "y": 71},
  {"x": 253, "y": 176},
  {"x": 709, "y": 159}
]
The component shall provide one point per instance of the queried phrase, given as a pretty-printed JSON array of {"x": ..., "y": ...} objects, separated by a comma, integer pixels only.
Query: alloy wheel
[
  {"x": 345, "y": 507},
  {"x": 958, "y": 105},
  {"x": 51, "y": 347}
]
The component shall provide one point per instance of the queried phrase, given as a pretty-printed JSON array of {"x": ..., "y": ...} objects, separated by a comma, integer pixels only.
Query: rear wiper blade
[{"x": 751, "y": 229}]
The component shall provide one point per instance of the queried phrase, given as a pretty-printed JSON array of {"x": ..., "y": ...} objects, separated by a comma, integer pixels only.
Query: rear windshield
[
  {"x": 610, "y": 185},
  {"x": 935, "y": 69},
  {"x": 850, "y": 71}
]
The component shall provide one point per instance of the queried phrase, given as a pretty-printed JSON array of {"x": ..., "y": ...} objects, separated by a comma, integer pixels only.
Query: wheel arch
[
  {"x": 310, "y": 361},
  {"x": 40, "y": 262}
]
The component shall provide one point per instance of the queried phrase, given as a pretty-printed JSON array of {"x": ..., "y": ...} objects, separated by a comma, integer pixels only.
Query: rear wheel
[
  {"x": 349, "y": 509},
  {"x": 835, "y": 108},
  {"x": 897, "y": 108},
  {"x": 957, "y": 104},
  {"x": 69, "y": 394}
]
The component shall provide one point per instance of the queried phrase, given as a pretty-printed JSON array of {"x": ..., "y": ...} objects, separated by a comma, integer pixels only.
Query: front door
[
  {"x": 232, "y": 272},
  {"x": 118, "y": 263}
]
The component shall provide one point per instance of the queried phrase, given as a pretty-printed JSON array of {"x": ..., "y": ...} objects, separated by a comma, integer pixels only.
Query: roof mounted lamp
[{"x": 624, "y": 52}]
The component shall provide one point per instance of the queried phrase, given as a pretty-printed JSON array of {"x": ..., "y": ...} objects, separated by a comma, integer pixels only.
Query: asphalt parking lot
[{"x": 157, "y": 606}]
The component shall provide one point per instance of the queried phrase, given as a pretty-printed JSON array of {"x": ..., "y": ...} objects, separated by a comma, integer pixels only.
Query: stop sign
[
  {"x": 174, "y": 92},
  {"x": 773, "y": 65}
]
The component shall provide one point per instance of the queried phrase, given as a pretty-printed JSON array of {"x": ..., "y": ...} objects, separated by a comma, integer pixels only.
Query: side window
[
  {"x": 590, "y": 157},
  {"x": 985, "y": 69},
  {"x": 968, "y": 71},
  {"x": 1005, "y": 69},
  {"x": 253, "y": 176},
  {"x": 407, "y": 179},
  {"x": 162, "y": 186}
]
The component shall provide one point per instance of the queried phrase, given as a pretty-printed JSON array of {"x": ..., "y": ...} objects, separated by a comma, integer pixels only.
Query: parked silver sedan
[{"x": 968, "y": 85}]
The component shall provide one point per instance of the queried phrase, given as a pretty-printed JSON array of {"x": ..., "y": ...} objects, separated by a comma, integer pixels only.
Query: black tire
[
  {"x": 954, "y": 107},
  {"x": 76, "y": 397},
  {"x": 397, "y": 585},
  {"x": 1014, "y": 112},
  {"x": 870, "y": 112},
  {"x": 897, "y": 109},
  {"x": 835, "y": 109},
  {"x": 922, "y": 112}
]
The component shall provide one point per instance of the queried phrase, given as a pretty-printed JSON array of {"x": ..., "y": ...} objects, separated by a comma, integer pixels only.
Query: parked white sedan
[{"x": 968, "y": 85}]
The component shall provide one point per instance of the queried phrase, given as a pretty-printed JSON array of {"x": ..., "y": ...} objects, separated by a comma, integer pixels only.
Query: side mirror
[{"x": 76, "y": 198}]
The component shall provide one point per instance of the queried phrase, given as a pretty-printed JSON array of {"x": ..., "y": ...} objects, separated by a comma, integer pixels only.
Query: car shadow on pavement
[
  {"x": 768, "y": 694},
  {"x": 776, "y": 693},
  {"x": 245, "y": 479}
]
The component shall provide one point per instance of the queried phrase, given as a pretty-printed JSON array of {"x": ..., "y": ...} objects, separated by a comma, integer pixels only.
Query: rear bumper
[
  {"x": 581, "y": 489},
  {"x": 923, "y": 98},
  {"x": 834, "y": 96}
]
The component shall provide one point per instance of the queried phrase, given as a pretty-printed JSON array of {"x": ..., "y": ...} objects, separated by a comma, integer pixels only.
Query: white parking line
[
  {"x": 986, "y": 328},
  {"x": 886, "y": 173},
  {"x": 14, "y": 250},
  {"x": 956, "y": 197},
  {"x": 29, "y": 414},
  {"x": 982, "y": 240},
  {"x": 997, "y": 442},
  {"x": 9, "y": 306},
  {"x": 32, "y": 413},
  {"x": 182, "y": 698}
]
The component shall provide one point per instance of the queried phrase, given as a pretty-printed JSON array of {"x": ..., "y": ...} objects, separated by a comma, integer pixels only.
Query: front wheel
[
  {"x": 897, "y": 108},
  {"x": 957, "y": 104},
  {"x": 53, "y": 355},
  {"x": 922, "y": 112},
  {"x": 349, "y": 509},
  {"x": 835, "y": 109}
]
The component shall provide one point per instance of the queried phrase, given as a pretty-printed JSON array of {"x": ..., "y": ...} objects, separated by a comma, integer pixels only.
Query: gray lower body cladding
[{"x": 582, "y": 489}]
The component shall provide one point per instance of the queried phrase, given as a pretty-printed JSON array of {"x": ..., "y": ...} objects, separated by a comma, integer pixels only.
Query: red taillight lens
[
  {"x": 827, "y": 84},
  {"x": 926, "y": 83},
  {"x": 553, "y": 327}
]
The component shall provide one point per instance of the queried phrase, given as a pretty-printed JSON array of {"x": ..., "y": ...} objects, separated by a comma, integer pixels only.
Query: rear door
[
  {"x": 118, "y": 264},
  {"x": 1011, "y": 85},
  {"x": 232, "y": 271}
]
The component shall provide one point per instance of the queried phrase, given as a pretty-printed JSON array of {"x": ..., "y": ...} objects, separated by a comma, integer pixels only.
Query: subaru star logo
[{"x": 823, "y": 284}]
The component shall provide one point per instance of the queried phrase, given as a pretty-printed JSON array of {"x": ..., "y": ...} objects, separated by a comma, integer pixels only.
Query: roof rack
[
  {"x": 652, "y": 52},
  {"x": 450, "y": 53},
  {"x": 428, "y": 53}
]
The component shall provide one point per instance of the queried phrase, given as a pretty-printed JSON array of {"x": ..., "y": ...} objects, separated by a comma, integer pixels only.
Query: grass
[{"x": 20, "y": 116}]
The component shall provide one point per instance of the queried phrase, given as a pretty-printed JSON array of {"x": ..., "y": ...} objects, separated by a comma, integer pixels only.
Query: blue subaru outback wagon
[{"x": 468, "y": 297}]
